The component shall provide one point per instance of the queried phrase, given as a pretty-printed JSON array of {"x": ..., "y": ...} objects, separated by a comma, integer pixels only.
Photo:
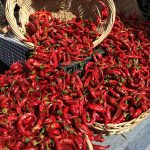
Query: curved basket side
[
  {"x": 121, "y": 127},
  {"x": 9, "y": 12},
  {"x": 110, "y": 23}
]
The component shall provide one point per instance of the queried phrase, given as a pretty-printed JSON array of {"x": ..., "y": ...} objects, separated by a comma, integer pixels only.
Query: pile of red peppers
[
  {"x": 65, "y": 41},
  {"x": 118, "y": 83},
  {"x": 43, "y": 107}
]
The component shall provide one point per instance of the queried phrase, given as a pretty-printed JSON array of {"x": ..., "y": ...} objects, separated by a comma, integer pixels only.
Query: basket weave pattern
[
  {"x": 121, "y": 127},
  {"x": 86, "y": 8}
]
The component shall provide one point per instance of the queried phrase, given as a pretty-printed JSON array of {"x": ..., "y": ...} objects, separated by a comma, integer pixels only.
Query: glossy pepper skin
[{"x": 46, "y": 31}]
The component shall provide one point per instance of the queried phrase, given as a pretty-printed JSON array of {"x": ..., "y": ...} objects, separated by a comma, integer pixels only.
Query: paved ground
[{"x": 137, "y": 139}]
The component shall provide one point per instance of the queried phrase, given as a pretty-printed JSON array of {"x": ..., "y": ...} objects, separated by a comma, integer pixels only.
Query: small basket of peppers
[{"x": 102, "y": 12}]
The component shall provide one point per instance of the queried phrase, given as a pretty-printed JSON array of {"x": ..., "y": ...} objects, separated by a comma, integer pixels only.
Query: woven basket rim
[
  {"x": 89, "y": 143},
  {"x": 9, "y": 9},
  {"x": 117, "y": 128}
]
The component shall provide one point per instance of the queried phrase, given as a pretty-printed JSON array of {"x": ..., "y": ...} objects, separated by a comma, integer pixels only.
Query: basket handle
[
  {"x": 90, "y": 146},
  {"x": 13, "y": 22}
]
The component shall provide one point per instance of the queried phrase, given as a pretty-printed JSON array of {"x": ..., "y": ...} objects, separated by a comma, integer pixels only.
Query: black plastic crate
[
  {"x": 80, "y": 64},
  {"x": 11, "y": 51},
  {"x": 3, "y": 67}
]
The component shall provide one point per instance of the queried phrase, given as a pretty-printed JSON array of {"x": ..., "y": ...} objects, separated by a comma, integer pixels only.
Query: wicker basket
[
  {"x": 122, "y": 127},
  {"x": 84, "y": 8}
]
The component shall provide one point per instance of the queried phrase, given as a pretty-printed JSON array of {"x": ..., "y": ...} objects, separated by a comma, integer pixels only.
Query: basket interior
[{"x": 63, "y": 9}]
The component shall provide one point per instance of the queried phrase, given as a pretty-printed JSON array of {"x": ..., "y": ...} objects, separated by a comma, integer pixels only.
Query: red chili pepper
[
  {"x": 128, "y": 89},
  {"x": 55, "y": 132},
  {"x": 92, "y": 120},
  {"x": 67, "y": 98},
  {"x": 81, "y": 105},
  {"x": 65, "y": 115},
  {"x": 34, "y": 40},
  {"x": 145, "y": 107},
  {"x": 84, "y": 144},
  {"x": 67, "y": 141},
  {"x": 121, "y": 90},
  {"x": 108, "y": 114},
  {"x": 50, "y": 119},
  {"x": 78, "y": 25},
  {"x": 28, "y": 38},
  {"x": 21, "y": 129},
  {"x": 98, "y": 20},
  {"x": 31, "y": 28},
  {"x": 92, "y": 92},
  {"x": 68, "y": 30},
  {"x": 23, "y": 101},
  {"x": 119, "y": 110},
  {"x": 39, "y": 123},
  {"x": 98, "y": 138},
  {"x": 67, "y": 59},
  {"x": 54, "y": 61},
  {"x": 115, "y": 72},
  {"x": 113, "y": 82},
  {"x": 137, "y": 113},
  {"x": 74, "y": 109},
  {"x": 83, "y": 128},
  {"x": 89, "y": 66},
  {"x": 79, "y": 142},
  {"x": 104, "y": 9},
  {"x": 75, "y": 52},
  {"x": 5, "y": 102},
  {"x": 34, "y": 62},
  {"x": 16, "y": 66},
  {"x": 55, "y": 125},
  {"x": 78, "y": 79},
  {"x": 96, "y": 108},
  {"x": 126, "y": 72},
  {"x": 124, "y": 102},
  {"x": 121, "y": 119},
  {"x": 114, "y": 93},
  {"x": 88, "y": 79},
  {"x": 57, "y": 144},
  {"x": 8, "y": 138},
  {"x": 99, "y": 147},
  {"x": 34, "y": 84}
]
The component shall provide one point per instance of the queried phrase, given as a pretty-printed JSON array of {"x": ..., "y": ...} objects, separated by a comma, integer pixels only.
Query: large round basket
[
  {"x": 122, "y": 127},
  {"x": 80, "y": 8}
]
